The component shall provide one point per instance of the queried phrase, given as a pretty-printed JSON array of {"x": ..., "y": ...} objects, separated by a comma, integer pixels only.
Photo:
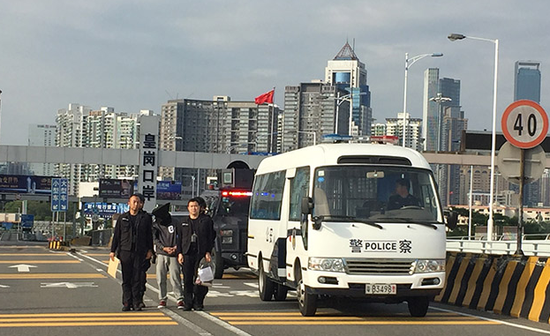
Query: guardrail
[{"x": 531, "y": 246}]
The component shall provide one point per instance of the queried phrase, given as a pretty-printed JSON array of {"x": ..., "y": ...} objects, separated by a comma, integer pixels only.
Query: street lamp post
[
  {"x": 310, "y": 132},
  {"x": 339, "y": 101},
  {"x": 455, "y": 37},
  {"x": 439, "y": 99},
  {"x": 408, "y": 63}
]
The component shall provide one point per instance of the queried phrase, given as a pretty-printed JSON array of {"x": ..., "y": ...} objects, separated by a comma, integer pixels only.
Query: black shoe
[
  {"x": 138, "y": 308},
  {"x": 198, "y": 307},
  {"x": 186, "y": 308},
  {"x": 141, "y": 305},
  {"x": 126, "y": 307}
]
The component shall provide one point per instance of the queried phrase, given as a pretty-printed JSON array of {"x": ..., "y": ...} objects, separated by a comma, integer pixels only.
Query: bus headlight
[
  {"x": 326, "y": 264},
  {"x": 429, "y": 266},
  {"x": 227, "y": 236}
]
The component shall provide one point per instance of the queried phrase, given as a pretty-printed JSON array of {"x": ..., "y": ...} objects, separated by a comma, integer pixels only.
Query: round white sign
[{"x": 524, "y": 124}]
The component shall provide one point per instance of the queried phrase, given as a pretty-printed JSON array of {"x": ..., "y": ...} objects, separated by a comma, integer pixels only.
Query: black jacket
[
  {"x": 137, "y": 239},
  {"x": 165, "y": 235},
  {"x": 204, "y": 230}
]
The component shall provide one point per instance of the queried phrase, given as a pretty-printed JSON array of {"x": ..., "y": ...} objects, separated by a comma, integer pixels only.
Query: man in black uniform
[
  {"x": 402, "y": 197},
  {"x": 195, "y": 241},
  {"x": 133, "y": 244}
]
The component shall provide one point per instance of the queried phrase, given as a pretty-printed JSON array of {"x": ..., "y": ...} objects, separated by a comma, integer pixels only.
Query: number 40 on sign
[{"x": 524, "y": 124}]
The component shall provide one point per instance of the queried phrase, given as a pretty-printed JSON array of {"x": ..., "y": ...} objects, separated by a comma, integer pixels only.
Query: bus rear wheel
[
  {"x": 418, "y": 306},
  {"x": 307, "y": 302},
  {"x": 265, "y": 286}
]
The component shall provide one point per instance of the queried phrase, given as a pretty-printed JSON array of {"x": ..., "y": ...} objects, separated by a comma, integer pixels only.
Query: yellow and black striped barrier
[
  {"x": 59, "y": 245},
  {"x": 504, "y": 284}
]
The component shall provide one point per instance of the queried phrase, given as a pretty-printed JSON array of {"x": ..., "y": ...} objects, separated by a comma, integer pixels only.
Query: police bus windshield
[{"x": 381, "y": 193}]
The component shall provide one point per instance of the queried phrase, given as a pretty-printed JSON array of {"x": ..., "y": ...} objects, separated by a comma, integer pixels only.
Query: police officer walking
[
  {"x": 195, "y": 242},
  {"x": 132, "y": 244}
]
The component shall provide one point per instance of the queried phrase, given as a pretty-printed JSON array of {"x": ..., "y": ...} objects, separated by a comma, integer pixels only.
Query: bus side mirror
[
  {"x": 452, "y": 219},
  {"x": 307, "y": 205}
]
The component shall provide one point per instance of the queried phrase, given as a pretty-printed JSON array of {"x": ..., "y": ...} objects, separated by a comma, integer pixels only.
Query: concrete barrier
[{"x": 504, "y": 284}]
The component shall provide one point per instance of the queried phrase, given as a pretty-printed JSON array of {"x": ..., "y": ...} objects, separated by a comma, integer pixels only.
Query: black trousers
[
  {"x": 193, "y": 295},
  {"x": 132, "y": 277}
]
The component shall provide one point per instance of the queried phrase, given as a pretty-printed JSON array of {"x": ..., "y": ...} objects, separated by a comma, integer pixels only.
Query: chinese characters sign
[
  {"x": 395, "y": 246},
  {"x": 147, "y": 179},
  {"x": 60, "y": 197}
]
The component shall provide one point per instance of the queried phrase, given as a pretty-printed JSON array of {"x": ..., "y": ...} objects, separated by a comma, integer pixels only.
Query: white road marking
[
  {"x": 184, "y": 321},
  {"x": 22, "y": 267},
  {"x": 251, "y": 284},
  {"x": 71, "y": 285},
  {"x": 494, "y": 320},
  {"x": 72, "y": 255}
]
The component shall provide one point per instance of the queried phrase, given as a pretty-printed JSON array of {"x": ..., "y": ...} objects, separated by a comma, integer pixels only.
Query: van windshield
[{"x": 376, "y": 193}]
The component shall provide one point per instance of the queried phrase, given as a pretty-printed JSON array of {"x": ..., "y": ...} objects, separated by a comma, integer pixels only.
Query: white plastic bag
[{"x": 205, "y": 274}]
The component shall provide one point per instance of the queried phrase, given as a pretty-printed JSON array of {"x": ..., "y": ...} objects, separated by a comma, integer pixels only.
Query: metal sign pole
[{"x": 519, "y": 252}]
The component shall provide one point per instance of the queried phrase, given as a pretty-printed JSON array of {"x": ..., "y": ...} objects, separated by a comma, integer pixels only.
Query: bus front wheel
[
  {"x": 307, "y": 302},
  {"x": 418, "y": 306}
]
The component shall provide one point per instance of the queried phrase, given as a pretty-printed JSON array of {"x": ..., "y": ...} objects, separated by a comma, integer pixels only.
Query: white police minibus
[{"x": 347, "y": 220}]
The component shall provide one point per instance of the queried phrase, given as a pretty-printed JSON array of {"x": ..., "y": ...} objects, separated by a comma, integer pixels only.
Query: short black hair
[
  {"x": 194, "y": 199},
  {"x": 140, "y": 196},
  {"x": 403, "y": 182}
]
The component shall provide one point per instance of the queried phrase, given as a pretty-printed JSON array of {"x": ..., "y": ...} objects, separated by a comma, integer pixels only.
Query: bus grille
[{"x": 378, "y": 266}]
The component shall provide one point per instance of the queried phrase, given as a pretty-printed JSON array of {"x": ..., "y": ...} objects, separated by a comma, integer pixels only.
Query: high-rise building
[
  {"x": 433, "y": 108},
  {"x": 219, "y": 125},
  {"x": 527, "y": 79},
  {"x": 394, "y": 126},
  {"x": 348, "y": 73},
  {"x": 527, "y": 83},
  {"x": 378, "y": 129},
  {"x": 80, "y": 127},
  {"x": 452, "y": 126},
  {"x": 443, "y": 125},
  {"x": 312, "y": 111},
  {"x": 42, "y": 135},
  {"x": 481, "y": 186}
]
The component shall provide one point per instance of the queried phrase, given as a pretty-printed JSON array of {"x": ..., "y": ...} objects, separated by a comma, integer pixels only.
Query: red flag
[{"x": 265, "y": 98}]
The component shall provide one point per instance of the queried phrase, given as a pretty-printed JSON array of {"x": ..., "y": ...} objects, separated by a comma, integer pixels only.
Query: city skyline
[{"x": 138, "y": 56}]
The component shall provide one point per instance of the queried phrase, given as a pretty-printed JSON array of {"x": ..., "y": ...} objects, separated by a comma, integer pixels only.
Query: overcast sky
[{"x": 134, "y": 55}]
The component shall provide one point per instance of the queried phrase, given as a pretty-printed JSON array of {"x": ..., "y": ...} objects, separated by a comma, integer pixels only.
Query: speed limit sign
[{"x": 525, "y": 124}]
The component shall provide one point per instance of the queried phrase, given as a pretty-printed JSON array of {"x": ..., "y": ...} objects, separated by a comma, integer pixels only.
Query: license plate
[{"x": 380, "y": 289}]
